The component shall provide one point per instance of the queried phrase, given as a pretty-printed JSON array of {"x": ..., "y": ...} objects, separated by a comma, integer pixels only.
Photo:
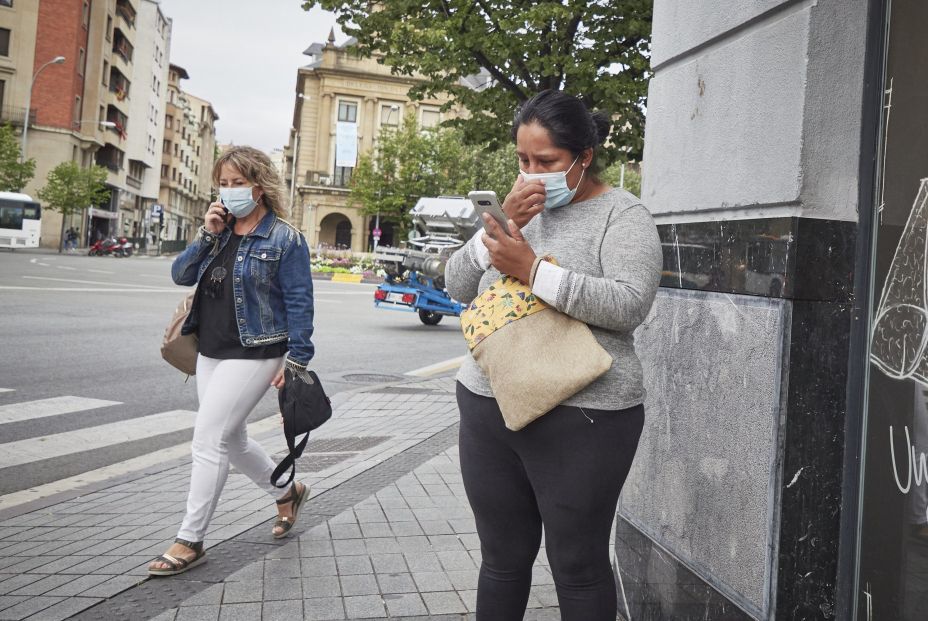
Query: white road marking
[
  {"x": 41, "y": 408},
  {"x": 92, "y": 289},
  {"x": 438, "y": 367},
  {"x": 118, "y": 469},
  {"x": 93, "y": 282},
  {"x": 43, "y": 264},
  {"x": 66, "y": 267},
  {"x": 7, "y": 390},
  {"x": 89, "y": 438},
  {"x": 99, "y": 271},
  {"x": 33, "y": 260}
]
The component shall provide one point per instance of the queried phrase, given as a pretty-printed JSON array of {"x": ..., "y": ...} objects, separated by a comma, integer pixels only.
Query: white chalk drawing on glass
[{"x": 900, "y": 331}]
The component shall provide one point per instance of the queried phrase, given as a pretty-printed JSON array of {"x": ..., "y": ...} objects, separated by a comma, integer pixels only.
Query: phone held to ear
[{"x": 485, "y": 202}]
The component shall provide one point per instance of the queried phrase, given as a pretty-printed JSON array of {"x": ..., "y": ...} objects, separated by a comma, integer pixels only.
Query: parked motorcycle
[
  {"x": 103, "y": 247},
  {"x": 125, "y": 247}
]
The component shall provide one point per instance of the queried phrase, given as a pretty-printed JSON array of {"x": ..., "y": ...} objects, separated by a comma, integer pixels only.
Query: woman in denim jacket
[{"x": 253, "y": 313}]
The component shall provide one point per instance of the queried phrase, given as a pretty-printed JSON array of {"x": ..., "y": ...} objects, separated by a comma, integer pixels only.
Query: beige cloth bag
[
  {"x": 179, "y": 350},
  {"x": 534, "y": 356}
]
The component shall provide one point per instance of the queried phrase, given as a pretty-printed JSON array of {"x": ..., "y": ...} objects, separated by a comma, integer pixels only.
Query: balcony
[
  {"x": 327, "y": 179},
  {"x": 126, "y": 11},
  {"x": 121, "y": 46},
  {"x": 15, "y": 116},
  {"x": 110, "y": 157},
  {"x": 120, "y": 121},
  {"x": 119, "y": 84}
]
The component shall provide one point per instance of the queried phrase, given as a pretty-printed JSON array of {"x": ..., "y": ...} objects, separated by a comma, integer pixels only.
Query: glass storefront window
[{"x": 892, "y": 578}]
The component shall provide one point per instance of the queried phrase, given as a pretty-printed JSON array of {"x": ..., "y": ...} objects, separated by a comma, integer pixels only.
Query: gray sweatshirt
[{"x": 611, "y": 255}]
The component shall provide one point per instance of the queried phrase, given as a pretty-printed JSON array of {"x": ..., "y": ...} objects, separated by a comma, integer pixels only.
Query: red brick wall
[{"x": 60, "y": 33}]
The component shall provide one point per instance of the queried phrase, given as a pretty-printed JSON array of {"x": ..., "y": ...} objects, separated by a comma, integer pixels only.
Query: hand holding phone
[
  {"x": 485, "y": 202},
  {"x": 216, "y": 218}
]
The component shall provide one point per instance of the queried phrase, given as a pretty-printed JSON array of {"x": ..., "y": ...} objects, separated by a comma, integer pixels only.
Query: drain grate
[
  {"x": 318, "y": 463},
  {"x": 344, "y": 445},
  {"x": 372, "y": 378}
]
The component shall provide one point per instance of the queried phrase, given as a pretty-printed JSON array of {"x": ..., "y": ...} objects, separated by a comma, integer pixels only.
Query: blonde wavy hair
[{"x": 256, "y": 167}]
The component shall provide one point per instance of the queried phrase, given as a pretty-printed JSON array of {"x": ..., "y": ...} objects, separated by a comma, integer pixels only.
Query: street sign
[
  {"x": 157, "y": 210},
  {"x": 376, "y": 233}
]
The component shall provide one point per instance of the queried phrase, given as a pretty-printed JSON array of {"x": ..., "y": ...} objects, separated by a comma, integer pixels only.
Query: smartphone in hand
[{"x": 485, "y": 202}]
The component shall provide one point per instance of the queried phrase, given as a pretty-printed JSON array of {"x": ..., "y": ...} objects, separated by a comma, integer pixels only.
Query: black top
[{"x": 215, "y": 301}]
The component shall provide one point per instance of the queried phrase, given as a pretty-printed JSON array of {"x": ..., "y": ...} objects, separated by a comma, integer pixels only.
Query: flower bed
[{"x": 345, "y": 263}]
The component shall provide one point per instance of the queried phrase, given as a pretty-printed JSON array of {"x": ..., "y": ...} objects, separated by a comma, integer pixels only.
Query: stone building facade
[{"x": 339, "y": 87}]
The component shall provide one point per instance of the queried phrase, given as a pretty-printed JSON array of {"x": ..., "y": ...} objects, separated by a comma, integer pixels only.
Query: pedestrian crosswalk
[{"x": 48, "y": 407}]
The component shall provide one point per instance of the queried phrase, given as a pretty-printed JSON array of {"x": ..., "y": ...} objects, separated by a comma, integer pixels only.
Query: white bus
[{"x": 20, "y": 221}]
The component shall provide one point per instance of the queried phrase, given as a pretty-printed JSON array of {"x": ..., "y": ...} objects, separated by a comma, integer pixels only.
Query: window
[
  {"x": 8, "y": 3},
  {"x": 2, "y": 92},
  {"x": 81, "y": 60},
  {"x": 343, "y": 176},
  {"x": 106, "y": 73},
  {"x": 109, "y": 27},
  {"x": 348, "y": 111},
  {"x": 168, "y": 121},
  {"x": 77, "y": 108},
  {"x": 164, "y": 170},
  {"x": 167, "y": 147},
  {"x": 431, "y": 117},
  {"x": 85, "y": 14},
  {"x": 176, "y": 149},
  {"x": 390, "y": 115},
  {"x": 4, "y": 41},
  {"x": 102, "y": 116},
  {"x": 173, "y": 174}
]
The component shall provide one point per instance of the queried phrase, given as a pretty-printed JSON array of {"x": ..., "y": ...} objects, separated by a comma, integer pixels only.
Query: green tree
[
  {"x": 597, "y": 49},
  {"x": 409, "y": 163},
  {"x": 632, "y": 181},
  {"x": 70, "y": 188},
  {"x": 14, "y": 175}
]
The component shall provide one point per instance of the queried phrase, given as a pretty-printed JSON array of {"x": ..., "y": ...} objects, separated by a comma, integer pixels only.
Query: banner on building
[{"x": 346, "y": 144}]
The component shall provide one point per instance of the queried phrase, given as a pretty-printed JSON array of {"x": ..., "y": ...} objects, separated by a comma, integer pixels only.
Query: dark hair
[{"x": 570, "y": 123}]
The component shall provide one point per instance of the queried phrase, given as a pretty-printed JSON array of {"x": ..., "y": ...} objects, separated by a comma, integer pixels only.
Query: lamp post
[{"x": 57, "y": 60}]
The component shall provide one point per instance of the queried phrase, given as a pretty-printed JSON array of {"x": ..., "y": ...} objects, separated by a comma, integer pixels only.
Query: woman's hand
[
  {"x": 525, "y": 201},
  {"x": 215, "y": 219},
  {"x": 278, "y": 381},
  {"x": 510, "y": 254}
]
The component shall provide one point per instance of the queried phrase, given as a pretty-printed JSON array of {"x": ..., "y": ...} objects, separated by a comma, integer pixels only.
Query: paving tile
[
  {"x": 282, "y": 568},
  {"x": 11, "y": 600},
  {"x": 432, "y": 581},
  {"x": 30, "y": 606},
  {"x": 240, "y": 612},
  {"x": 112, "y": 586},
  {"x": 349, "y": 547},
  {"x": 290, "y": 610},
  {"x": 376, "y": 529},
  {"x": 364, "y": 607},
  {"x": 455, "y": 561},
  {"x": 77, "y": 585},
  {"x": 405, "y": 604},
  {"x": 414, "y": 544},
  {"x": 470, "y": 599},
  {"x": 345, "y": 531},
  {"x": 65, "y": 609},
  {"x": 443, "y": 603},
  {"x": 406, "y": 528},
  {"x": 254, "y": 571},
  {"x": 436, "y": 527},
  {"x": 323, "y": 608},
  {"x": 388, "y": 563},
  {"x": 321, "y": 586},
  {"x": 42, "y": 585},
  {"x": 211, "y": 596},
  {"x": 167, "y": 615},
  {"x": 283, "y": 588},
  {"x": 242, "y": 592},
  {"x": 13, "y": 583},
  {"x": 353, "y": 565},
  {"x": 364, "y": 584},
  {"x": 396, "y": 583},
  {"x": 463, "y": 580},
  {"x": 423, "y": 561},
  {"x": 319, "y": 566}
]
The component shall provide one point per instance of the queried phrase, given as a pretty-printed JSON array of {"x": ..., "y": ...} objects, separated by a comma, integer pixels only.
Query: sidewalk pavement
[{"x": 386, "y": 534}]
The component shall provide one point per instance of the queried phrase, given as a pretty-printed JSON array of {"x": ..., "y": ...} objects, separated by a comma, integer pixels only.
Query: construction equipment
[{"x": 415, "y": 280}]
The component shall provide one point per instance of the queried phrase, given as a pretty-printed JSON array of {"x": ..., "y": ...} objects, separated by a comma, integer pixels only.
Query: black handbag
[{"x": 304, "y": 406}]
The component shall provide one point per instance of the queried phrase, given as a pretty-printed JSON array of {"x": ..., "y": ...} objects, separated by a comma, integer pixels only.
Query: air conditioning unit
[{"x": 325, "y": 179}]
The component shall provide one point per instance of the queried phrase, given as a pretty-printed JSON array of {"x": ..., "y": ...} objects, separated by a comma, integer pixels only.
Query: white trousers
[{"x": 228, "y": 391}]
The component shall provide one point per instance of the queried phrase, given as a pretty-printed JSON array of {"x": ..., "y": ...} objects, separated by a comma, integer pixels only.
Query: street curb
[{"x": 90, "y": 488}]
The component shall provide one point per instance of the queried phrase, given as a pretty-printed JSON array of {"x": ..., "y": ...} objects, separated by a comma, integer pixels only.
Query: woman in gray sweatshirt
[{"x": 565, "y": 470}]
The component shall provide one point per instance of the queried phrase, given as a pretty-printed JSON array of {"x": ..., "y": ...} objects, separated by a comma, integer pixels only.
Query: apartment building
[{"x": 188, "y": 153}]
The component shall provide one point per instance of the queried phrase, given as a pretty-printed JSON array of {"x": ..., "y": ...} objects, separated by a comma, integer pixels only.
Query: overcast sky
[{"x": 242, "y": 56}]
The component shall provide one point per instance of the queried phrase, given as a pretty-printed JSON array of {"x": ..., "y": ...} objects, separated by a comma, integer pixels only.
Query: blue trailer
[{"x": 415, "y": 274}]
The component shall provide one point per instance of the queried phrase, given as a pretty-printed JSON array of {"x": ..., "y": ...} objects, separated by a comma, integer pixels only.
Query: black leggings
[{"x": 563, "y": 471}]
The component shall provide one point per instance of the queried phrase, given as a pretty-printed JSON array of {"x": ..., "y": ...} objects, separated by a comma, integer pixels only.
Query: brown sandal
[
  {"x": 179, "y": 565},
  {"x": 287, "y": 523}
]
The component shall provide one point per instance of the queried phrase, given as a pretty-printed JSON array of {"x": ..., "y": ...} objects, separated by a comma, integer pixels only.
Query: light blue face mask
[
  {"x": 238, "y": 201},
  {"x": 557, "y": 194}
]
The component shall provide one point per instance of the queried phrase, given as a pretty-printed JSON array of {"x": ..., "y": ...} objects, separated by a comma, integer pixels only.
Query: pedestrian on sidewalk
[
  {"x": 565, "y": 470},
  {"x": 253, "y": 314}
]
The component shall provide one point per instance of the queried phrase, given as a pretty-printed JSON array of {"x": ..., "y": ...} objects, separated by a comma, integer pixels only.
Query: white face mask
[
  {"x": 238, "y": 201},
  {"x": 557, "y": 194}
]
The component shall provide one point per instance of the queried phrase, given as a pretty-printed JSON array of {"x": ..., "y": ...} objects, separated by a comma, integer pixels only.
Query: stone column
[{"x": 326, "y": 131}]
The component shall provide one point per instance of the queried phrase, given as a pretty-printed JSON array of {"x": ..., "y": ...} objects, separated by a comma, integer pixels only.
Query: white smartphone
[{"x": 485, "y": 201}]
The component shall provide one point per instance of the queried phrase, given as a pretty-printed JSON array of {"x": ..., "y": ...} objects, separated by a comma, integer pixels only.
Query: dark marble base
[
  {"x": 658, "y": 587},
  {"x": 793, "y": 258}
]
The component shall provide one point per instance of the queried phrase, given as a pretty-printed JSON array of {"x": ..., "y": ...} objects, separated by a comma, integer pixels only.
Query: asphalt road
[{"x": 91, "y": 328}]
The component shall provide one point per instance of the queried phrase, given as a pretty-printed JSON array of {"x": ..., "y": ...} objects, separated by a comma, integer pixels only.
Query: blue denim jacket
[{"x": 271, "y": 280}]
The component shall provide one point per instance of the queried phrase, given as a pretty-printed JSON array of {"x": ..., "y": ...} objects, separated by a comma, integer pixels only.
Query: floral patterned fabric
[{"x": 506, "y": 300}]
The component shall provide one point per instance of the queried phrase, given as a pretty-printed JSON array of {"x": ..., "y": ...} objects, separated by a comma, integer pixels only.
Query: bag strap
[{"x": 289, "y": 462}]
